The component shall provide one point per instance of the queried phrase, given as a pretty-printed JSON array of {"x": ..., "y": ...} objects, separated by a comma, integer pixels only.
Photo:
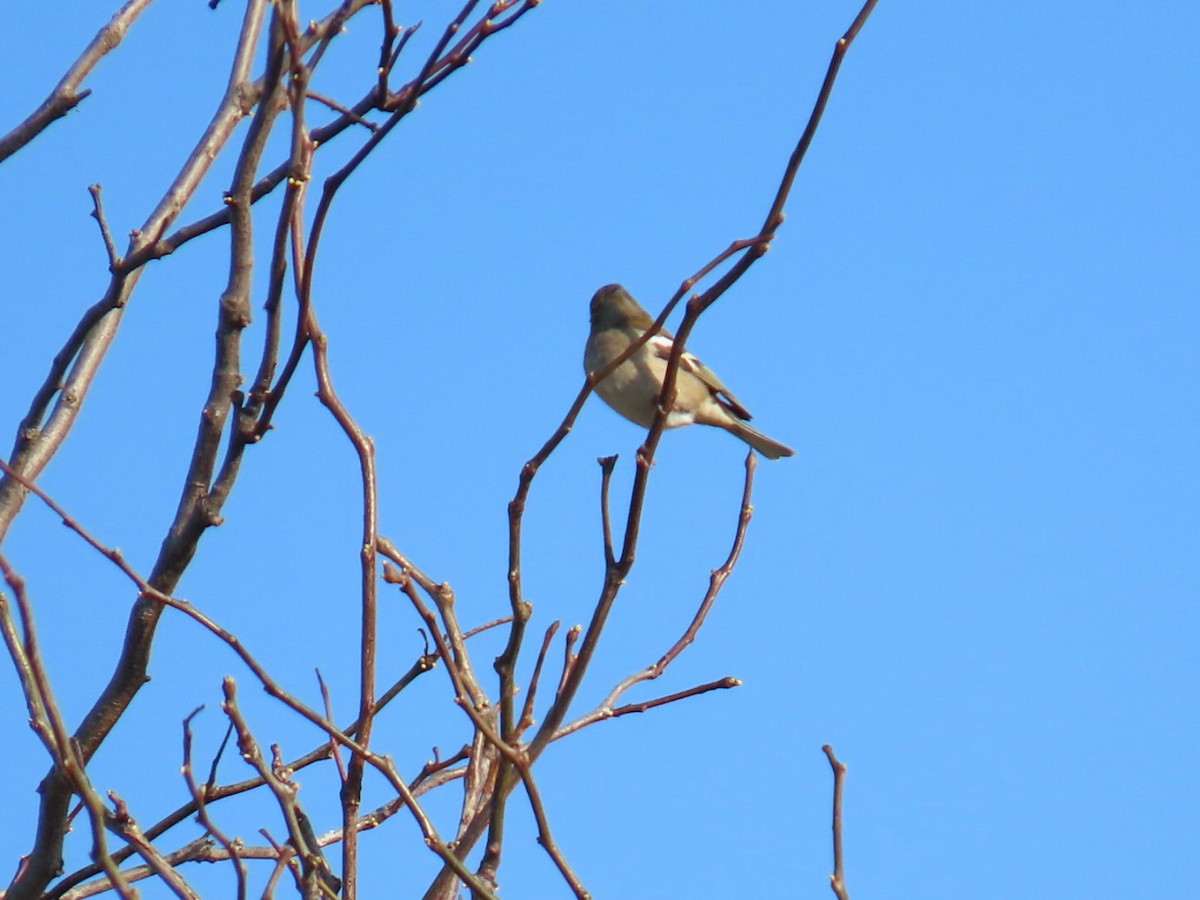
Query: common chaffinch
[{"x": 634, "y": 388}]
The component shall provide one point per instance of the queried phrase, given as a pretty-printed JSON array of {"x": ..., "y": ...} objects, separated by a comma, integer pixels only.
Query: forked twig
[{"x": 576, "y": 663}]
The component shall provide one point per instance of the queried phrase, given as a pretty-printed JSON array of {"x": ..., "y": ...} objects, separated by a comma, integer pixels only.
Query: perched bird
[{"x": 634, "y": 388}]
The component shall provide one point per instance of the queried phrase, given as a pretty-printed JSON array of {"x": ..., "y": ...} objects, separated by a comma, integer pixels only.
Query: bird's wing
[{"x": 661, "y": 345}]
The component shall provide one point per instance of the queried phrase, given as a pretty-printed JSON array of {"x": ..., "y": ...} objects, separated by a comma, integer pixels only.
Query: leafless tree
[{"x": 507, "y": 737}]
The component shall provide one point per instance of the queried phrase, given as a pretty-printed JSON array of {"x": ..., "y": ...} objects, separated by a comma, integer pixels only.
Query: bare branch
[
  {"x": 607, "y": 711},
  {"x": 98, "y": 214},
  {"x": 531, "y": 695},
  {"x": 333, "y": 747},
  {"x": 123, "y": 823},
  {"x": 431, "y": 776},
  {"x": 617, "y": 570},
  {"x": 507, "y": 737},
  {"x": 837, "y": 881},
  {"x": 312, "y": 860},
  {"x": 47, "y": 721},
  {"x": 197, "y": 850},
  {"x": 719, "y": 575},
  {"x": 231, "y": 847},
  {"x": 66, "y": 94},
  {"x": 545, "y": 836},
  {"x": 345, "y": 111}
]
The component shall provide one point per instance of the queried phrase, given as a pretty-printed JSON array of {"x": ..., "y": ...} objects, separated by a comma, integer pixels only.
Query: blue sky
[{"x": 977, "y": 579}]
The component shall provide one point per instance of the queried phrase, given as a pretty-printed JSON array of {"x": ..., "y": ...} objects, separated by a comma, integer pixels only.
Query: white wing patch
[{"x": 661, "y": 345}]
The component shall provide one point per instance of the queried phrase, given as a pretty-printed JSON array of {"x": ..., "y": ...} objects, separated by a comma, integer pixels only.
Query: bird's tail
[{"x": 768, "y": 447}]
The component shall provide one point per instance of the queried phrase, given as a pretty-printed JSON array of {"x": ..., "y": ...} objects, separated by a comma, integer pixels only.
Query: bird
[{"x": 633, "y": 389}]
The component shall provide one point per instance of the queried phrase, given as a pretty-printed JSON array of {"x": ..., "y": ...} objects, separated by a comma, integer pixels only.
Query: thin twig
[
  {"x": 425, "y": 780},
  {"x": 568, "y": 657},
  {"x": 312, "y": 861},
  {"x": 231, "y": 847},
  {"x": 719, "y": 575},
  {"x": 333, "y": 747},
  {"x": 577, "y": 663},
  {"x": 535, "y": 679},
  {"x": 345, "y": 111},
  {"x": 837, "y": 881},
  {"x": 479, "y": 629},
  {"x": 275, "y": 690},
  {"x": 125, "y": 825},
  {"x": 98, "y": 214},
  {"x": 607, "y": 711},
  {"x": 545, "y": 836}
]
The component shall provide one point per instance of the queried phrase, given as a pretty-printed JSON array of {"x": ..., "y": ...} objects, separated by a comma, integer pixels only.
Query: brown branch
[
  {"x": 37, "y": 442},
  {"x": 283, "y": 863},
  {"x": 774, "y": 217},
  {"x": 607, "y": 707},
  {"x": 535, "y": 679},
  {"x": 83, "y": 342},
  {"x": 575, "y": 665},
  {"x": 125, "y": 825},
  {"x": 39, "y": 435},
  {"x": 442, "y": 596},
  {"x": 573, "y": 634},
  {"x": 87, "y": 347},
  {"x": 113, "y": 703},
  {"x": 82, "y": 352},
  {"x": 390, "y": 50},
  {"x": 322, "y": 135},
  {"x": 105, "y": 235},
  {"x": 198, "y": 507},
  {"x": 616, "y": 571},
  {"x": 286, "y": 856},
  {"x": 329, "y": 26},
  {"x": 345, "y": 111},
  {"x": 333, "y": 747},
  {"x": 390, "y": 32},
  {"x": 460, "y": 54},
  {"x": 644, "y": 705},
  {"x": 314, "y": 868},
  {"x": 364, "y": 448},
  {"x": 399, "y": 106},
  {"x": 383, "y": 764},
  {"x": 545, "y": 836},
  {"x": 48, "y": 723},
  {"x": 66, "y": 94},
  {"x": 21, "y": 643},
  {"x": 837, "y": 881},
  {"x": 265, "y": 400},
  {"x": 479, "y": 629},
  {"x": 423, "y": 664},
  {"x": 196, "y": 850},
  {"x": 202, "y": 849},
  {"x": 719, "y": 575},
  {"x": 606, "y": 710},
  {"x": 478, "y": 713},
  {"x": 213, "y": 792},
  {"x": 198, "y": 798}
]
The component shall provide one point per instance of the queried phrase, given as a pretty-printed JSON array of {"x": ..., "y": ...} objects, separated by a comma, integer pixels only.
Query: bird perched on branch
[{"x": 634, "y": 387}]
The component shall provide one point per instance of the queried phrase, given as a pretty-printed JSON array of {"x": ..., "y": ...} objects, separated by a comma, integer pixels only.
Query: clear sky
[{"x": 977, "y": 579}]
